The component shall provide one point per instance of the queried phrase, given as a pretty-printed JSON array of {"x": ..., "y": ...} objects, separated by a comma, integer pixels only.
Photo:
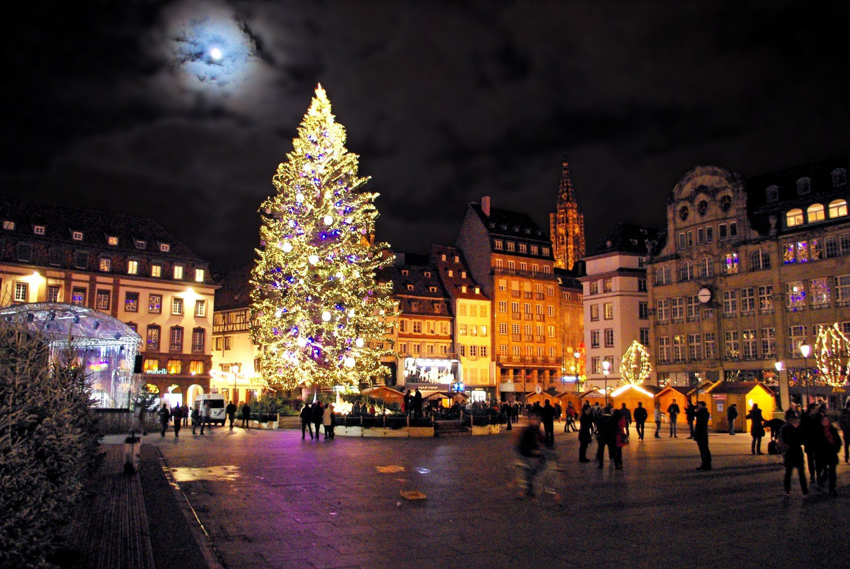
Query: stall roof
[
  {"x": 737, "y": 387},
  {"x": 70, "y": 322}
]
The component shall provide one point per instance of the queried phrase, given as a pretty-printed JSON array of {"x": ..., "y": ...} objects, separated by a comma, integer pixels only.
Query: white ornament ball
[
  {"x": 358, "y": 342},
  {"x": 287, "y": 247},
  {"x": 328, "y": 220},
  {"x": 326, "y": 316},
  {"x": 349, "y": 362},
  {"x": 301, "y": 341},
  {"x": 299, "y": 197},
  {"x": 313, "y": 259}
]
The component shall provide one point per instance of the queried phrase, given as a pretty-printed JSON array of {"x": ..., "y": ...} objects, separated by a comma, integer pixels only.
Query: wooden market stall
[
  {"x": 385, "y": 394},
  {"x": 666, "y": 397},
  {"x": 631, "y": 394},
  {"x": 719, "y": 396},
  {"x": 567, "y": 397}
]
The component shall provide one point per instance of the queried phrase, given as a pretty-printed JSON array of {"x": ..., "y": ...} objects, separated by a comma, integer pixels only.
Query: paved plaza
[{"x": 269, "y": 499}]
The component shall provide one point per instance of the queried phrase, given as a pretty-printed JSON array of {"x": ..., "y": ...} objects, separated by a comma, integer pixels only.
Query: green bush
[{"x": 49, "y": 445}]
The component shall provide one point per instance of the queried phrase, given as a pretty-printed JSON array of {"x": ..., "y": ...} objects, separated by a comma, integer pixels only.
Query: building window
[
  {"x": 759, "y": 260},
  {"x": 749, "y": 345},
  {"x": 545, "y": 251},
  {"x": 594, "y": 365},
  {"x": 797, "y": 336},
  {"x": 643, "y": 310},
  {"x": 164, "y": 247},
  {"x": 200, "y": 308},
  {"x": 511, "y": 246},
  {"x": 722, "y": 232},
  {"x": 151, "y": 365},
  {"x": 694, "y": 347},
  {"x": 815, "y": 212},
  {"x": 498, "y": 245},
  {"x": 53, "y": 293},
  {"x": 642, "y": 285},
  {"x": 132, "y": 267},
  {"x": 9, "y": 225},
  {"x": 178, "y": 272},
  {"x": 766, "y": 299},
  {"x": 523, "y": 248},
  {"x": 503, "y": 329},
  {"x": 55, "y": 255},
  {"x": 155, "y": 304},
  {"x": 837, "y": 208},
  {"x": 686, "y": 272},
  {"x": 196, "y": 367},
  {"x": 733, "y": 345},
  {"x": 748, "y": 301},
  {"x": 131, "y": 302},
  {"x": 644, "y": 336},
  {"x": 819, "y": 291},
  {"x": 38, "y": 229},
  {"x": 662, "y": 311},
  {"x": 662, "y": 275},
  {"x": 535, "y": 250},
  {"x": 22, "y": 292},
  {"x": 693, "y": 308},
  {"x": 608, "y": 310},
  {"x": 730, "y": 264},
  {"x": 77, "y": 235},
  {"x": 795, "y": 296},
  {"x": 772, "y": 194},
  {"x": 842, "y": 290},
  {"x": 102, "y": 299},
  {"x": 730, "y": 303},
  {"x": 153, "y": 338},
  {"x": 550, "y": 331},
  {"x": 417, "y": 326},
  {"x": 664, "y": 349},
  {"x": 81, "y": 260},
  {"x": 677, "y": 309},
  {"x": 198, "y": 340},
  {"x": 679, "y": 348},
  {"x": 768, "y": 342},
  {"x": 594, "y": 288},
  {"x": 794, "y": 217},
  {"x": 177, "y": 305},
  {"x": 710, "y": 345},
  {"x": 705, "y": 268},
  {"x": 174, "y": 367},
  {"x": 594, "y": 338},
  {"x": 607, "y": 285},
  {"x": 609, "y": 337},
  {"x": 105, "y": 264},
  {"x": 804, "y": 186},
  {"x": 24, "y": 251},
  {"x": 156, "y": 270},
  {"x": 683, "y": 243},
  {"x": 78, "y": 296},
  {"x": 175, "y": 343}
]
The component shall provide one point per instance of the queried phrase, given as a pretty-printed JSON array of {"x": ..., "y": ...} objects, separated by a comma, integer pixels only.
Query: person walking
[
  {"x": 508, "y": 413},
  {"x": 530, "y": 447},
  {"x": 731, "y": 415},
  {"x": 196, "y": 417},
  {"x": 829, "y": 444},
  {"x": 558, "y": 411},
  {"x": 585, "y": 433},
  {"x": 328, "y": 421},
  {"x": 205, "y": 414},
  {"x": 621, "y": 438},
  {"x": 690, "y": 415},
  {"x": 307, "y": 420},
  {"x": 627, "y": 415},
  {"x": 417, "y": 403},
  {"x": 318, "y": 417},
  {"x": 177, "y": 416},
  {"x": 231, "y": 413},
  {"x": 673, "y": 413},
  {"x": 570, "y": 412},
  {"x": 701, "y": 418},
  {"x": 756, "y": 428},
  {"x": 547, "y": 416},
  {"x": 844, "y": 423},
  {"x": 809, "y": 422},
  {"x": 658, "y": 420},
  {"x": 607, "y": 437},
  {"x": 246, "y": 416},
  {"x": 164, "y": 417},
  {"x": 792, "y": 438},
  {"x": 640, "y": 419}
]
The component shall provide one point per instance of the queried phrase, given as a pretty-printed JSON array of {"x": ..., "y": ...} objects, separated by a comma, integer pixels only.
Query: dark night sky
[{"x": 121, "y": 108}]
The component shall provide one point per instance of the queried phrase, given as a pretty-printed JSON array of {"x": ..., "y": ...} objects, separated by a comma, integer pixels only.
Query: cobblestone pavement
[{"x": 269, "y": 499}]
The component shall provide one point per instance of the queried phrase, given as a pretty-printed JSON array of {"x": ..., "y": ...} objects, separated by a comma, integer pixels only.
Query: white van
[{"x": 217, "y": 406}]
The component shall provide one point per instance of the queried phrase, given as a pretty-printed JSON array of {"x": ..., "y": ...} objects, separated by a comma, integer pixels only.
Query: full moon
[{"x": 215, "y": 53}]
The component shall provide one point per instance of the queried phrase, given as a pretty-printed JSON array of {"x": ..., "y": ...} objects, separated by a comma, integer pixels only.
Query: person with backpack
[{"x": 731, "y": 415}]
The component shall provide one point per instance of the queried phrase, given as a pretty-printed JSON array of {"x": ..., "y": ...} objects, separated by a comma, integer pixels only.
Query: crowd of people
[
  {"x": 199, "y": 415},
  {"x": 810, "y": 434}
]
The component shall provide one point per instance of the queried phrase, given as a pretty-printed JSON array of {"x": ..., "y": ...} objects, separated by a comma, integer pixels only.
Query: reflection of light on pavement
[
  {"x": 390, "y": 469},
  {"x": 212, "y": 473}
]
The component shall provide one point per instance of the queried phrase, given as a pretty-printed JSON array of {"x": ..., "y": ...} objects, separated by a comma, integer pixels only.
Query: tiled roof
[
  {"x": 510, "y": 224},
  {"x": 625, "y": 238},
  {"x": 454, "y": 284},
  {"x": 59, "y": 223}
]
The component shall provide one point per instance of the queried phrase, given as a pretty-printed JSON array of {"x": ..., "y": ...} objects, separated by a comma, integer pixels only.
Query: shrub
[{"x": 49, "y": 444}]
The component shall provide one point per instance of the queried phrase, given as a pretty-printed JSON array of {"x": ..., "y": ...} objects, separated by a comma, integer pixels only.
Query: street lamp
[
  {"x": 806, "y": 350},
  {"x": 783, "y": 390},
  {"x": 606, "y": 367},
  {"x": 577, "y": 355}
]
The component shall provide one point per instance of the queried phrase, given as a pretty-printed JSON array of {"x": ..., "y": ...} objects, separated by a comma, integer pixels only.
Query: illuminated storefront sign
[{"x": 431, "y": 370}]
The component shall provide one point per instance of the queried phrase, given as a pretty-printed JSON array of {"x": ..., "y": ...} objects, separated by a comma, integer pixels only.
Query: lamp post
[
  {"x": 606, "y": 367},
  {"x": 783, "y": 386},
  {"x": 235, "y": 371},
  {"x": 806, "y": 350},
  {"x": 577, "y": 355}
]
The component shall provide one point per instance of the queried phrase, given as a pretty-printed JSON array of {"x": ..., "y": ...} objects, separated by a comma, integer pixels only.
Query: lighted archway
[{"x": 192, "y": 393}]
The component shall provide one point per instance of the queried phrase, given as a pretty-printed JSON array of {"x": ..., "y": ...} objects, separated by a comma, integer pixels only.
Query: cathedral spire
[
  {"x": 566, "y": 195},
  {"x": 566, "y": 225}
]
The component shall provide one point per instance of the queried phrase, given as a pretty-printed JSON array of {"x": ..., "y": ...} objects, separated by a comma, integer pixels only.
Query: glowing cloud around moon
[{"x": 215, "y": 53}]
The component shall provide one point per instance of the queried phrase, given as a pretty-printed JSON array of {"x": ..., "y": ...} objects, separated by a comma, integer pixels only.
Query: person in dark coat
[
  {"x": 809, "y": 422},
  {"x": 177, "y": 415},
  {"x": 547, "y": 416},
  {"x": 508, "y": 412},
  {"x": 408, "y": 403},
  {"x": 690, "y": 415},
  {"x": 585, "y": 433},
  {"x": 756, "y": 428},
  {"x": 701, "y": 418},
  {"x": 731, "y": 415},
  {"x": 318, "y": 416},
  {"x": 792, "y": 439},
  {"x": 230, "y": 410},
  {"x": 829, "y": 444},
  {"x": 530, "y": 447},
  {"x": 196, "y": 417},
  {"x": 306, "y": 416},
  {"x": 417, "y": 403},
  {"x": 640, "y": 419},
  {"x": 558, "y": 411},
  {"x": 607, "y": 437},
  {"x": 246, "y": 417},
  {"x": 570, "y": 423},
  {"x": 164, "y": 417},
  {"x": 673, "y": 412},
  {"x": 844, "y": 422},
  {"x": 627, "y": 415}
]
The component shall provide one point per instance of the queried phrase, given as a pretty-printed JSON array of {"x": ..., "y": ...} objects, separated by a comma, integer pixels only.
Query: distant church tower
[{"x": 566, "y": 225}]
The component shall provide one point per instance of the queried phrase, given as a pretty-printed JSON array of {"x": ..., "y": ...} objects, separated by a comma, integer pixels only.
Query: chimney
[{"x": 485, "y": 205}]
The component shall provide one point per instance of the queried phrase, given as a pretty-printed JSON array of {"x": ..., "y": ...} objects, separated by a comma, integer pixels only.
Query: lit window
[
  {"x": 131, "y": 302},
  {"x": 164, "y": 247},
  {"x": 200, "y": 308},
  {"x": 9, "y": 225},
  {"x": 176, "y": 339},
  {"x": 175, "y": 366},
  {"x": 38, "y": 230},
  {"x": 511, "y": 246},
  {"x": 815, "y": 212},
  {"x": 77, "y": 235},
  {"x": 53, "y": 293},
  {"x": 177, "y": 305},
  {"x": 105, "y": 264},
  {"x": 198, "y": 340},
  {"x": 837, "y": 208},
  {"x": 21, "y": 292},
  {"x": 545, "y": 251},
  {"x": 199, "y": 275},
  {"x": 78, "y": 296},
  {"x": 523, "y": 248},
  {"x": 102, "y": 300},
  {"x": 196, "y": 367},
  {"x": 156, "y": 270},
  {"x": 178, "y": 272},
  {"x": 112, "y": 240},
  {"x": 730, "y": 263},
  {"x": 151, "y": 365},
  {"x": 155, "y": 304},
  {"x": 132, "y": 267}
]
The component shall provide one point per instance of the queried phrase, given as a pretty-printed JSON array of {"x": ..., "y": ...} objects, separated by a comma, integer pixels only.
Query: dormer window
[
  {"x": 772, "y": 193},
  {"x": 112, "y": 240},
  {"x": 523, "y": 248},
  {"x": 141, "y": 244},
  {"x": 9, "y": 225},
  {"x": 498, "y": 245},
  {"x": 164, "y": 247},
  {"x": 77, "y": 235},
  {"x": 516, "y": 228},
  {"x": 534, "y": 250},
  {"x": 443, "y": 257},
  {"x": 477, "y": 290},
  {"x": 462, "y": 288},
  {"x": 804, "y": 186},
  {"x": 839, "y": 177},
  {"x": 837, "y": 208},
  {"x": 38, "y": 229},
  {"x": 816, "y": 212},
  {"x": 794, "y": 218},
  {"x": 410, "y": 287},
  {"x": 432, "y": 289},
  {"x": 726, "y": 203},
  {"x": 427, "y": 275},
  {"x": 511, "y": 246},
  {"x": 457, "y": 259},
  {"x": 463, "y": 274},
  {"x": 504, "y": 227},
  {"x": 404, "y": 272},
  {"x": 527, "y": 231}
]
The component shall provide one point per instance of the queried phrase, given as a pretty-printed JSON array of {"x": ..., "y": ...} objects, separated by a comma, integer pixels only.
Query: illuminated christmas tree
[
  {"x": 831, "y": 349},
  {"x": 316, "y": 301},
  {"x": 635, "y": 367}
]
